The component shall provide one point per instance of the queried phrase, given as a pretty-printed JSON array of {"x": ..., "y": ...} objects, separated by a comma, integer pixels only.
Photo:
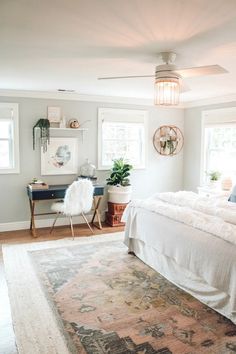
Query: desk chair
[{"x": 78, "y": 200}]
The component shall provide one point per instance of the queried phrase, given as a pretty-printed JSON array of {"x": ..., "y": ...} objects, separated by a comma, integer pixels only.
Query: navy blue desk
[{"x": 58, "y": 192}]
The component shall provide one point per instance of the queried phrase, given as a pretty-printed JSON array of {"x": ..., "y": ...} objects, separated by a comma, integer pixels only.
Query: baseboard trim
[{"x": 23, "y": 225}]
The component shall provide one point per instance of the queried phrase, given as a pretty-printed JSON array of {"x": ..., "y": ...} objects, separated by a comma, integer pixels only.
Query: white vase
[{"x": 119, "y": 194}]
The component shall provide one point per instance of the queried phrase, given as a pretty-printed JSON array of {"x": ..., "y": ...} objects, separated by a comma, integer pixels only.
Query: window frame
[
  {"x": 213, "y": 118},
  {"x": 14, "y": 107},
  {"x": 122, "y": 116}
]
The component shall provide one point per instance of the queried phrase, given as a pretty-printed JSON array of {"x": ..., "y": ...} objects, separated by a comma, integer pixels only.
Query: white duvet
[{"x": 213, "y": 215}]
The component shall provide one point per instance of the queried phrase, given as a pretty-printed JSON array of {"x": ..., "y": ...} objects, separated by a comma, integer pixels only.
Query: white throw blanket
[{"x": 207, "y": 214}]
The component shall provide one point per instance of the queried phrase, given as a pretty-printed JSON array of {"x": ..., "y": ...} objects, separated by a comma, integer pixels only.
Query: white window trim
[
  {"x": 16, "y": 153},
  {"x": 121, "y": 115},
  {"x": 210, "y": 118}
]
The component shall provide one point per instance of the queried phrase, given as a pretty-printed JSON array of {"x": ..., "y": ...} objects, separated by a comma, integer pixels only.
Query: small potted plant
[
  {"x": 214, "y": 177},
  {"x": 119, "y": 190}
]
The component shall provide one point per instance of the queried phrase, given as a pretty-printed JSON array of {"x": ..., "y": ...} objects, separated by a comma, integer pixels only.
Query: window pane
[
  {"x": 220, "y": 152},
  {"x": 5, "y": 160},
  {"x": 124, "y": 140},
  {"x": 5, "y": 129}
]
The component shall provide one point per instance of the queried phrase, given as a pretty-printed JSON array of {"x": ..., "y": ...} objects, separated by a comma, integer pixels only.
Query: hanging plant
[{"x": 43, "y": 125}]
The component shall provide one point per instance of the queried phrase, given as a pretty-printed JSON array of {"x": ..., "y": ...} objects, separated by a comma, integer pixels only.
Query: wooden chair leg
[
  {"x": 54, "y": 222},
  {"x": 72, "y": 229},
  {"x": 85, "y": 219}
]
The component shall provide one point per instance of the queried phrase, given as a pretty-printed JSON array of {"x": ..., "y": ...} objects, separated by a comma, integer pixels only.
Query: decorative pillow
[{"x": 232, "y": 197}]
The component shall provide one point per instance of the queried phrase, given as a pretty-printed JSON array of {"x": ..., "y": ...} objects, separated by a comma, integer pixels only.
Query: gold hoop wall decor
[{"x": 168, "y": 140}]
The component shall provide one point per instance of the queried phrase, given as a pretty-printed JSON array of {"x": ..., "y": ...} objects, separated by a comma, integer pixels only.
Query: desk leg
[
  {"x": 32, "y": 220},
  {"x": 96, "y": 203}
]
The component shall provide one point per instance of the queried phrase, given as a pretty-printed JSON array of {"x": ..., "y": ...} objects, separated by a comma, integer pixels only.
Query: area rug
[{"x": 107, "y": 301}]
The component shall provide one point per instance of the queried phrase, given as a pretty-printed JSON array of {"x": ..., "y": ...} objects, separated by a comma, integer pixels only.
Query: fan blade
[
  {"x": 124, "y": 77},
  {"x": 201, "y": 71}
]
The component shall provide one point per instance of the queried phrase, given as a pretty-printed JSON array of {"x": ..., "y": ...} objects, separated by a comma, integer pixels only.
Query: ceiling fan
[{"x": 169, "y": 78}]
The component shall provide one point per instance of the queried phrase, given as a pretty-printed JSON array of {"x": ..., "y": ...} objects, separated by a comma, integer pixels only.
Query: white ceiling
[{"x": 51, "y": 44}]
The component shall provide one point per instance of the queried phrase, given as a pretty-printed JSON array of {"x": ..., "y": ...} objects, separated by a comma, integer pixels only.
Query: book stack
[{"x": 36, "y": 186}]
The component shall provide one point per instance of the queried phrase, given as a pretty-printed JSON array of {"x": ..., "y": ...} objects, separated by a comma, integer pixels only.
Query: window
[
  {"x": 121, "y": 133},
  {"x": 220, "y": 149},
  {"x": 9, "y": 138}
]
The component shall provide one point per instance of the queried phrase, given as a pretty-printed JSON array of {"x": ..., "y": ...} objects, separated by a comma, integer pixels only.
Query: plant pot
[{"x": 119, "y": 194}]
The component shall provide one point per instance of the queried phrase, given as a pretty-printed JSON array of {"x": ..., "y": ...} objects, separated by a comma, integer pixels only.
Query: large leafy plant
[{"x": 119, "y": 173}]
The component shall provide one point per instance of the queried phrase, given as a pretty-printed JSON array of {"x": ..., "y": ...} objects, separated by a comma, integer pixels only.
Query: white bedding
[
  {"x": 197, "y": 258},
  {"x": 212, "y": 215}
]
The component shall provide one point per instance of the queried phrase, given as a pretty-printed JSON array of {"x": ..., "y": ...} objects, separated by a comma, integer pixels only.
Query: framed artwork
[
  {"x": 54, "y": 114},
  {"x": 61, "y": 157}
]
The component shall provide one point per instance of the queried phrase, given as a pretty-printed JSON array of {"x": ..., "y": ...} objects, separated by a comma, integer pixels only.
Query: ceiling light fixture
[
  {"x": 169, "y": 78},
  {"x": 167, "y": 82},
  {"x": 167, "y": 91}
]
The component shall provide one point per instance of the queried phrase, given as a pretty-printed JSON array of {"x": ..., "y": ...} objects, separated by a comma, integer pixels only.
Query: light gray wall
[
  {"x": 192, "y": 146},
  {"x": 161, "y": 174}
]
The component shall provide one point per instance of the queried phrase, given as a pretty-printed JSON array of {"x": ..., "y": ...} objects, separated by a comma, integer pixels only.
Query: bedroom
[{"x": 176, "y": 127}]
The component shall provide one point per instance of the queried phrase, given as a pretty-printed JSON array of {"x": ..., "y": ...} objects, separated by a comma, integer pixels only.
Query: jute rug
[{"x": 90, "y": 296}]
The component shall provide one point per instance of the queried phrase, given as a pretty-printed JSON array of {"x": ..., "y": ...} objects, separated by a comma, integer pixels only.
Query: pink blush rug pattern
[{"x": 108, "y": 301}]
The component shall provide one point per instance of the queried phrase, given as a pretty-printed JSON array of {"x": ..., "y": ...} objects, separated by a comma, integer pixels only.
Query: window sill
[{"x": 9, "y": 171}]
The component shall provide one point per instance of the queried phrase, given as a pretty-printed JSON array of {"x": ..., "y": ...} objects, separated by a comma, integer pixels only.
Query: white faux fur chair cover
[{"x": 78, "y": 199}]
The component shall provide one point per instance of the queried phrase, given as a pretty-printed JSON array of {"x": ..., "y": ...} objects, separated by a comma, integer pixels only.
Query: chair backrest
[{"x": 79, "y": 197}]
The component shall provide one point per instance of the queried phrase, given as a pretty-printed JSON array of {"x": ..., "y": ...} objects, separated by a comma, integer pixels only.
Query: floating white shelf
[
  {"x": 66, "y": 130},
  {"x": 70, "y": 129}
]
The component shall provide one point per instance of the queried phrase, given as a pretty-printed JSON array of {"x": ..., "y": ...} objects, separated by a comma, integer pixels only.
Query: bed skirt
[
  {"x": 182, "y": 278},
  {"x": 149, "y": 236}
]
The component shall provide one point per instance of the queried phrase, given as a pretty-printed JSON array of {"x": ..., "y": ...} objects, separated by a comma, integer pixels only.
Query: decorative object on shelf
[
  {"x": 168, "y": 140},
  {"x": 114, "y": 214},
  {"x": 88, "y": 170},
  {"x": 54, "y": 114},
  {"x": 44, "y": 126},
  {"x": 63, "y": 122},
  {"x": 73, "y": 124},
  {"x": 226, "y": 183},
  {"x": 61, "y": 157},
  {"x": 119, "y": 190}
]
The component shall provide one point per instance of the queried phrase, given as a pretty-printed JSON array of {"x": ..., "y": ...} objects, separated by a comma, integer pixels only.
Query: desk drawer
[
  {"x": 47, "y": 194},
  {"x": 98, "y": 190}
]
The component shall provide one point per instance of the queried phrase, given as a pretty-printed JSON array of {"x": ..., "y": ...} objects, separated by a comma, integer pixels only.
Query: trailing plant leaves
[{"x": 44, "y": 126}]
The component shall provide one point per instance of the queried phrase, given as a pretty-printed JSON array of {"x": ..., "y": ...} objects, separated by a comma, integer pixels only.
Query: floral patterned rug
[{"x": 108, "y": 301}]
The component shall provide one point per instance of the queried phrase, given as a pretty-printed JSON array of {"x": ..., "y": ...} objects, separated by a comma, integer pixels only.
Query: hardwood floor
[{"x": 7, "y": 339}]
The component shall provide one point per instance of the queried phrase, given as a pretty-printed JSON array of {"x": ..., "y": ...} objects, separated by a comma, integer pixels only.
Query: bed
[{"x": 199, "y": 259}]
